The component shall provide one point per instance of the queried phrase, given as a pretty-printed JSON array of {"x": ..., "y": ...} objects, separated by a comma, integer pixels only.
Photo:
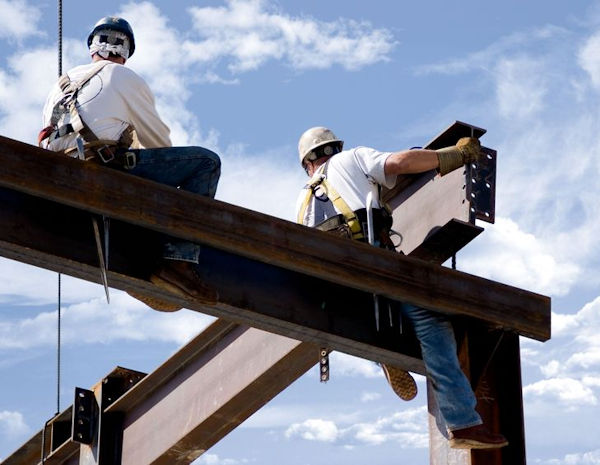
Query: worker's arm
[
  {"x": 411, "y": 161},
  {"x": 447, "y": 159}
]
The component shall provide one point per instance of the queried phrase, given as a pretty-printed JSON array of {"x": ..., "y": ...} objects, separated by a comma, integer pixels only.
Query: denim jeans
[
  {"x": 193, "y": 169},
  {"x": 451, "y": 387}
]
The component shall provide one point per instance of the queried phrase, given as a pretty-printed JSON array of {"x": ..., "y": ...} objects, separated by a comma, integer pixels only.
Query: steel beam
[
  {"x": 186, "y": 405},
  {"x": 257, "y": 237}
]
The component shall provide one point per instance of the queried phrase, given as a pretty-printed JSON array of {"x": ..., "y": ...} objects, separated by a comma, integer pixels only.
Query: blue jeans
[
  {"x": 193, "y": 169},
  {"x": 451, "y": 387}
]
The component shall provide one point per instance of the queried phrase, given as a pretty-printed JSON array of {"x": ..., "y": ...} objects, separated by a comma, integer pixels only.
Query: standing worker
[
  {"x": 105, "y": 113},
  {"x": 334, "y": 200}
]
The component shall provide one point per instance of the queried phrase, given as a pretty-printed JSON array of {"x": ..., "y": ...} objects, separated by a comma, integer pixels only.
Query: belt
[
  {"x": 382, "y": 221},
  {"x": 113, "y": 156},
  {"x": 108, "y": 153}
]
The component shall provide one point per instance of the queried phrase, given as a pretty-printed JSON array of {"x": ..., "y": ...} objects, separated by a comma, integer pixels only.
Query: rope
[
  {"x": 60, "y": 21},
  {"x": 58, "y": 349},
  {"x": 58, "y": 343}
]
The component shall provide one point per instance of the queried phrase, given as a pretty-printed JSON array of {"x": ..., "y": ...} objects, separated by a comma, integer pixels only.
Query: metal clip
[
  {"x": 101, "y": 155},
  {"x": 130, "y": 160}
]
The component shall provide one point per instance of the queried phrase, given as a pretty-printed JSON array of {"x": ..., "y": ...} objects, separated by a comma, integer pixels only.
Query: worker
[
  {"x": 105, "y": 113},
  {"x": 335, "y": 200}
]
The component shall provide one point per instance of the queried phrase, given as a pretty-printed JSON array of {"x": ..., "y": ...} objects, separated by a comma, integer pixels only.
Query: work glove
[{"x": 466, "y": 150}]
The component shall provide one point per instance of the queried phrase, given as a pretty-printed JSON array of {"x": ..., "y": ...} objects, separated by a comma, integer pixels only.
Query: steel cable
[{"x": 58, "y": 345}]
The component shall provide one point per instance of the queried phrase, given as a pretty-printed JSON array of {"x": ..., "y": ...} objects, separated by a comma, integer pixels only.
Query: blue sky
[{"x": 246, "y": 78}]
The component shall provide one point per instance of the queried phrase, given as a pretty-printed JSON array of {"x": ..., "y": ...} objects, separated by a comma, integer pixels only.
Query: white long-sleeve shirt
[{"x": 113, "y": 99}]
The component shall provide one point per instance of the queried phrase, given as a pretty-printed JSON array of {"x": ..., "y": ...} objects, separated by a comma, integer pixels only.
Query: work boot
[
  {"x": 182, "y": 278},
  {"x": 476, "y": 437},
  {"x": 154, "y": 303},
  {"x": 401, "y": 382}
]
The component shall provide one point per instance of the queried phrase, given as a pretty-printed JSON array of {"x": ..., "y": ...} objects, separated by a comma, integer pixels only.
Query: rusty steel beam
[
  {"x": 258, "y": 237},
  {"x": 256, "y": 294}
]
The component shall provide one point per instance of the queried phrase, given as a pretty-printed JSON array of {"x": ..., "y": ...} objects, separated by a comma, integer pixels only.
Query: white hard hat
[{"x": 314, "y": 138}]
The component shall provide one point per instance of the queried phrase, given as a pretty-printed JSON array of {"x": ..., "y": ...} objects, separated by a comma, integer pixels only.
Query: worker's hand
[
  {"x": 470, "y": 149},
  {"x": 466, "y": 150}
]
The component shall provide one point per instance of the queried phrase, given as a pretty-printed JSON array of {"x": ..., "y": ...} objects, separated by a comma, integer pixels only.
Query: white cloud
[
  {"x": 570, "y": 393},
  {"x": 314, "y": 429},
  {"x": 214, "y": 459},
  {"x": 569, "y": 363},
  {"x": 369, "y": 396},
  {"x": 486, "y": 58},
  {"x": 520, "y": 88},
  {"x": 12, "y": 423},
  {"x": 589, "y": 58},
  {"x": 407, "y": 428},
  {"x": 519, "y": 258},
  {"x": 582, "y": 458},
  {"x": 18, "y": 20},
  {"x": 252, "y": 32},
  {"x": 96, "y": 322},
  {"x": 263, "y": 182}
]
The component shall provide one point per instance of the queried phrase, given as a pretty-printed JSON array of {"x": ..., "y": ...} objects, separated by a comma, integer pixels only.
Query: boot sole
[
  {"x": 168, "y": 286},
  {"x": 401, "y": 381},
  {"x": 154, "y": 303},
  {"x": 473, "y": 444}
]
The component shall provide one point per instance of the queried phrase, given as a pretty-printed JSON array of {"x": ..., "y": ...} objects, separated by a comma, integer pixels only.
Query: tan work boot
[
  {"x": 154, "y": 303},
  {"x": 182, "y": 278},
  {"x": 476, "y": 437},
  {"x": 401, "y": 382}
]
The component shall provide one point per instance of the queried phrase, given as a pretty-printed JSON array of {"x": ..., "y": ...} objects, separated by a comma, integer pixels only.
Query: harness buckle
[
  {"x": 110, "y": 152},
  {"x": 130, "y": 160}
]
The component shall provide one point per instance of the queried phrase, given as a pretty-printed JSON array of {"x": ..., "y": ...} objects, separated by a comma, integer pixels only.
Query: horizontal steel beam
[{"x": 275, "y": 242}]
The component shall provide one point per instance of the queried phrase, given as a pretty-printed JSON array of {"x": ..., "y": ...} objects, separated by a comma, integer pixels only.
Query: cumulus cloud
[
  {"x": 314, "y": 429},
  {"x": 12, "y": 423},
  {"x": 19, "y": 19},
  {"x": 568, "y": 392},
  {"x": 583, "y": 458},
  {"x": 408, "y": 429},
  {"x": 251, "y": 32},
  {"x": 519, "y": 258},
  {"x": 569, "y": 364}
]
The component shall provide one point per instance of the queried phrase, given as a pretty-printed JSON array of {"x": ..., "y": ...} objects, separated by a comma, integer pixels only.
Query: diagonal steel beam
[{"x": 190, "y": 402}]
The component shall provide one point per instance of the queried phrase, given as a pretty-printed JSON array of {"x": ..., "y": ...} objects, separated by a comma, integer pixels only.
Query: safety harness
[
  {"x": 105, "y": 150},
  {"x": 319, "y": 179}
]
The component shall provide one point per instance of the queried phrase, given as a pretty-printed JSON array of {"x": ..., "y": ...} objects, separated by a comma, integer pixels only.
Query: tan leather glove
[{"x": 466, "y": 150}]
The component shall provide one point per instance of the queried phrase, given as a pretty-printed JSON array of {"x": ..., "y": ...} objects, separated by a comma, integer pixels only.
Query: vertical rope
[
  {"x": 60, "y": 34},
  {"x": 58, "y": 348},
  {"x": 58, "y": 344}
]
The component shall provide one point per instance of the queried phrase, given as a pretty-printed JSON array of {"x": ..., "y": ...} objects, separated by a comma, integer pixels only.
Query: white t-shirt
[
  {"x": 353, "y": 174},
  {"x": 113, "y": 99}
]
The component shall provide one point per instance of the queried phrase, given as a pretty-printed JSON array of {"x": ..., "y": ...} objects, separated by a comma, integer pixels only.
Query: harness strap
[
  {"x": 320, "y": 179},
  {"x": 70, "y": 90}
]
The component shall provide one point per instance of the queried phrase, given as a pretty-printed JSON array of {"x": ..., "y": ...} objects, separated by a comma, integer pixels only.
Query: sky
[{"x": 245, "y": 78}]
